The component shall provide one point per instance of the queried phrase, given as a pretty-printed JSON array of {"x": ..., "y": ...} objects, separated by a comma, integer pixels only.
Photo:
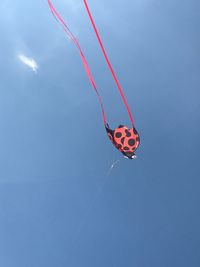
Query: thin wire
[
  {"x": 91, "y": 207},
  {"x": 112, "y": 166}
]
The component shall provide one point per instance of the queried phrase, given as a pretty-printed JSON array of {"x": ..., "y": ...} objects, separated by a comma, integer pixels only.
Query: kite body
[{"x": 124, "y": 139}]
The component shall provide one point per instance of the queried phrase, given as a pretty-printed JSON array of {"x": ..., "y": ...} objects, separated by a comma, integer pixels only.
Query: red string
[
  {"x": 109, "y": 64},
  {"x": 86, "y": 66}
]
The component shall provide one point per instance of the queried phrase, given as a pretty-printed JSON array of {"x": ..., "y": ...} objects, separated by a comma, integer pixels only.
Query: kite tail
[
  {"x": 86, "y": 66},
  {"x": 109, "y": 64}
]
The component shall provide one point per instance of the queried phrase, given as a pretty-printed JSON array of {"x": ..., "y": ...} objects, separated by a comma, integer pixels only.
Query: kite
[{"x": 124, "y": 139}]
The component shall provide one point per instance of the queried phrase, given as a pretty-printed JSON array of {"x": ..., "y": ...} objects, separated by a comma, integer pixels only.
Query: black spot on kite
[
  {"x": 122, "y": 140},
  {"x": 128, "y": 134},
  {"x": 131, "y": 142},
  {"x": 118, "y": 135}
]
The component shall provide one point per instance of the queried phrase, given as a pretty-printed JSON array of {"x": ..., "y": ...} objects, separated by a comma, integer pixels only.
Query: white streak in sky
[{"x": 30, "y": 62}]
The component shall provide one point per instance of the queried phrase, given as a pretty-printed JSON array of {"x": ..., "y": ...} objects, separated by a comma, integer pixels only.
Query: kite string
[
  {"x": 90, "y": 208},
  {"x": 86, "y": 66},
  {"x": 109, "y": 64}
]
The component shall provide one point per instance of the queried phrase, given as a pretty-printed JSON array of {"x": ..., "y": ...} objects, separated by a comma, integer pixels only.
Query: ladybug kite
[{"x": 124, "y": 139}]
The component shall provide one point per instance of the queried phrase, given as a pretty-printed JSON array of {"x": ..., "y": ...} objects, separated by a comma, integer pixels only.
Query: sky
[{"x": 63, "y": 200}]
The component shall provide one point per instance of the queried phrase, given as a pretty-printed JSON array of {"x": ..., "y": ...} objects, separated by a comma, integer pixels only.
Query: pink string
[
  {"x": 86, "y": 66},
  {"x": 109, "y": 64}
]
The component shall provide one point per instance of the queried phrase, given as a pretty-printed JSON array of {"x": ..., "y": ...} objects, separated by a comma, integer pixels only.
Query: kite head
[
  {"x": 125, "y": 140},
  {"x": 130, "y": 156}
]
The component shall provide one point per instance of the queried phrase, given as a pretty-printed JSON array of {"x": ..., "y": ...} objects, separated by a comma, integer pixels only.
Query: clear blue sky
[{"x": 55, "y": 155}]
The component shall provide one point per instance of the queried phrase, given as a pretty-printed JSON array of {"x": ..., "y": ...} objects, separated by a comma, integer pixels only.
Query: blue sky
[{"x": 59, "y": 203}]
